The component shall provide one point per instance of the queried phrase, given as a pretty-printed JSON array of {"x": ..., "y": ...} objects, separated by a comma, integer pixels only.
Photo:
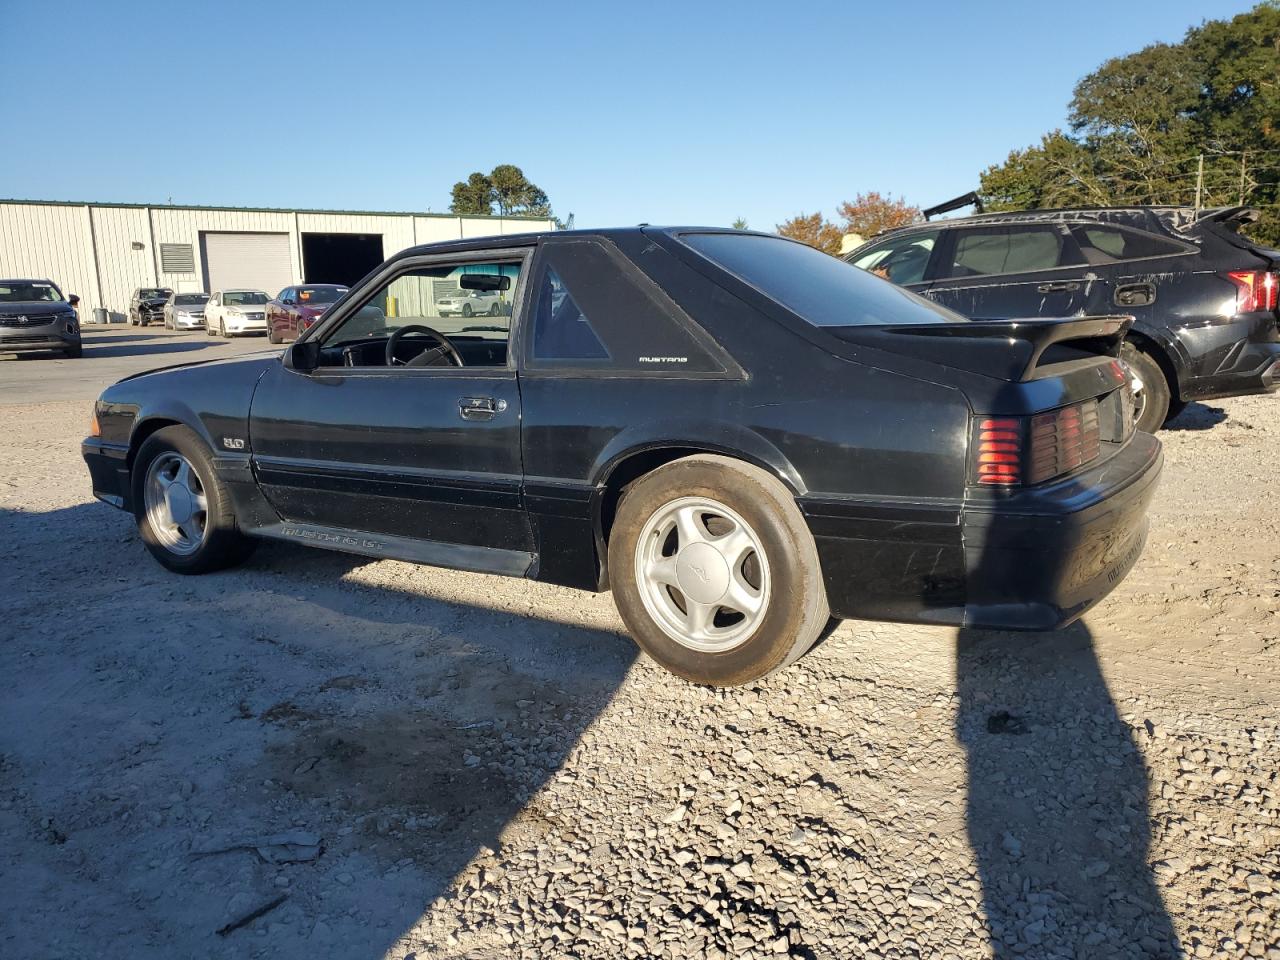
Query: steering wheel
[{"x": 393, "y": 341}]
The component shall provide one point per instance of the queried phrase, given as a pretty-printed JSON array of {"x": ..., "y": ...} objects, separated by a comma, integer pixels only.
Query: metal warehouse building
[{"x": 104, "y": 251}]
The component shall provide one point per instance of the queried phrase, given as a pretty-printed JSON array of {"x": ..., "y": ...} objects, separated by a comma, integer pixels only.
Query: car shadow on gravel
[
  {"x": 1057, "y": 812},
  {"x": 406, "y": 720},
  {"x": 1197, "y": 416}
]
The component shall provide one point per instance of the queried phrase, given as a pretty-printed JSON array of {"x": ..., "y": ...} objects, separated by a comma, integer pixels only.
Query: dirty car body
[
  {"x": 1203, "y": 297},
  {"x": 948, "y": 472}
]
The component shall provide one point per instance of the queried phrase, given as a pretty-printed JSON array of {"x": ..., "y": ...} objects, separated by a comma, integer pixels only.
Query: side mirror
[
  {"x": 303, "y": 356},
  {"x": 73, "y": 299}
]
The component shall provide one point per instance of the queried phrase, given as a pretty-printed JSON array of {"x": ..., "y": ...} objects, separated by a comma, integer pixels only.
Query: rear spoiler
[
  {"x": 1014, "y": 350},
  {"x": 1227, "y": 215}
]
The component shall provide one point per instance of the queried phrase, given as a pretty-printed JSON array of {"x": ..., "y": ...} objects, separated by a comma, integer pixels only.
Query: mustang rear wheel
[
  {"x": 184, "y": 512},
  {"x": 715, "y": 572}
]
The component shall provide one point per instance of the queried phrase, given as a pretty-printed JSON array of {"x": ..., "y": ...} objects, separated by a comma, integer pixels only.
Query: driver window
[
  {"x": 901, "y": 260},
  {"x": 467, "y": 304}
]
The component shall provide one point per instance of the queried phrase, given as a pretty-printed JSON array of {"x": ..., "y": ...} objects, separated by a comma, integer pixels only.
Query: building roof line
[{"x": 350, "y": 213}]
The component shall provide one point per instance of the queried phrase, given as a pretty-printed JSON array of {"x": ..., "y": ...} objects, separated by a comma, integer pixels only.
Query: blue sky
[{"x": 661, "y": 112}]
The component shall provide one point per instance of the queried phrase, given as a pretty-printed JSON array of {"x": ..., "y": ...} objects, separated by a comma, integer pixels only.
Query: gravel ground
[{"x": 469, "y": 767}]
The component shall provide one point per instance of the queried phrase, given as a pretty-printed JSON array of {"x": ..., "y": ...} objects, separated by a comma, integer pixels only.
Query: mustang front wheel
[
  {"x": 184, "y": 512},
  {"x": 715, "y": 572}
]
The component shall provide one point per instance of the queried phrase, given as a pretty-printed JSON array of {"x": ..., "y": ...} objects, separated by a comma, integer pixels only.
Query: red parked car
[{"x": 296, "y": 308}]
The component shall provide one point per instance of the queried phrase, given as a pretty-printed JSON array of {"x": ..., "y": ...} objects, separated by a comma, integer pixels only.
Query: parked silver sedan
[{"x": 185, "y": 311}]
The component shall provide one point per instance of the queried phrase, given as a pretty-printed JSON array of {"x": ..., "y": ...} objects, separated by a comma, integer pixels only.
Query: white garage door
[{"x": 256, "y": 260}]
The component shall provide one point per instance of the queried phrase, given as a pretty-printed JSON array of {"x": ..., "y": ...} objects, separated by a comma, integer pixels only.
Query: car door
[
  {"x": 213, "y": 312},
  {"x": 413, "y": 458},
  {"x": 279, "y": 315},
  {"x": 996, "y": 271}
]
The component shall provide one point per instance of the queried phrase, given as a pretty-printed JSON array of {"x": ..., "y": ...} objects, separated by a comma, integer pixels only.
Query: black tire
[
  {"x": 795, "y": 612},
  {"x": 271, "y": 333},
  {"x": 222, "y": 328},
  {"x": 1155, "y": 397},
  {"x": 74, "y": 352},
  {"x": 494, "y": 310},
  {"x": 223, "y": 544},
  {"x": 466, "y": 310}
]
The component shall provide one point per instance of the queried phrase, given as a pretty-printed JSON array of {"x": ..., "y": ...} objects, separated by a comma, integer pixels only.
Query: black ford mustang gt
[{"x": 739, "y": 435}]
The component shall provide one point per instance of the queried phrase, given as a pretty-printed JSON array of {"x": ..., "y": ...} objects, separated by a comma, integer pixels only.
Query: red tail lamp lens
[
  {"x": 1062, "y": 440},
  {"x": 1255, "y": 290},
  {"x": 1000, "y": 451},
  {"x": 1027, "y": 450}
]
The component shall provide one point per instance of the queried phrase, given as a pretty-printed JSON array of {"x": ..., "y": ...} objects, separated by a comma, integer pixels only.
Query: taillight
[
  {"x": 999, "y": 459},
  {"x": 1255, "y": 290},
  {"x": 1014, "y": 451},
  {"x": 1063, "y": 440}
]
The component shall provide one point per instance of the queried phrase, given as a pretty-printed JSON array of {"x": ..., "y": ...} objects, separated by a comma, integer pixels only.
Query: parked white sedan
[{"x": 233, "y": 312}]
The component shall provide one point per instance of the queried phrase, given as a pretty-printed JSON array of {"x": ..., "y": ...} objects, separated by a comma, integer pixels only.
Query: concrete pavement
[{"x": 111, "y": 353}]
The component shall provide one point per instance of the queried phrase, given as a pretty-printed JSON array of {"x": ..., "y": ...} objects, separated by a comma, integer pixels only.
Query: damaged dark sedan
[{"x": 740, "y": 436}]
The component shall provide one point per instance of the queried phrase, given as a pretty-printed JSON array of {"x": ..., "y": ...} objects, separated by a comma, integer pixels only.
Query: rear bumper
[
  {"x": 1034, "y": 560},
  {"x": 1040, "y": 559},
  {"x": 108, "y": 471},
  {"x": 1249, "y": 365}
]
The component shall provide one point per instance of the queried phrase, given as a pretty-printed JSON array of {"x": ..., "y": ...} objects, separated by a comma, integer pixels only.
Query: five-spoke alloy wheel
[
  {"x": 176, "y": 505},
  {"x": 715, "y": 571},
  {"x": 184, "y": 512},
  {"x": 703, "y": 574}
]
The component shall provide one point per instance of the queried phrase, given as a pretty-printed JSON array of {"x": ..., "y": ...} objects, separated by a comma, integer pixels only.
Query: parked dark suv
[
  {"x": 36, "y": 317},
  {"x": 1203, "y": 296},
  {"x": 147, "y": 305}
]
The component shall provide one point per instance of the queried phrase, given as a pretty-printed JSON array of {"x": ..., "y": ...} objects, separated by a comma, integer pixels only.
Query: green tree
[
  {"x": 505, "y": 187},
  {"x": 515, "y": 194},
  {"x": 474, "y": 196},
  {"x": 1140, "y": 123},
  {"x": 740, "y": 223}
]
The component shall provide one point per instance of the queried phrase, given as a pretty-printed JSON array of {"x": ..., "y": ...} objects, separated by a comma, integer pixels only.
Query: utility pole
[
  {"x": 1199, "y": 185},
  {"x": 1243, "y": 155}
]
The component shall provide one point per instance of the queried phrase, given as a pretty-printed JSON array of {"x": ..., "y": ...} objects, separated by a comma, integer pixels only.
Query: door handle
[
  {"x": 480, "y": 408},
  {"x": 1060, "y": 286}
]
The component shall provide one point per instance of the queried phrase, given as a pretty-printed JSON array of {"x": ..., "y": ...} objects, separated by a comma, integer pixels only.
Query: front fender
[{"x": 211, "y": 398}]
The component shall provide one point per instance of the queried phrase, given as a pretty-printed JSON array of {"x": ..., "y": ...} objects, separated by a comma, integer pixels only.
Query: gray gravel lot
[{"x": 487, "y": 770}]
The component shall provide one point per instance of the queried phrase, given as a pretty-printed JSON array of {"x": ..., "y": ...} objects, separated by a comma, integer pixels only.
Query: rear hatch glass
[{"x": 821, "y": 289}]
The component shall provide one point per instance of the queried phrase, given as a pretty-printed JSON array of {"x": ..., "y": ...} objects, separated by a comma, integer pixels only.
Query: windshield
[
  {"x": 190, "y": 299},
  {"x": 152, "y": 293},
  {"x": 823, "y": 290},
  {"x": 25, "y": 291},
  {"x": 243, "y": 298},
  {"x": 320, "y": 294}
]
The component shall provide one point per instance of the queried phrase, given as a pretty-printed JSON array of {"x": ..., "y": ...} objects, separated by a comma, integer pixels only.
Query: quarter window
[
  {"x": 595, "y": 309},
  {"x": 561, "y": 331},
  {"x": 1102, "y": 244},
  {"x": 990, "y": 250}
]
